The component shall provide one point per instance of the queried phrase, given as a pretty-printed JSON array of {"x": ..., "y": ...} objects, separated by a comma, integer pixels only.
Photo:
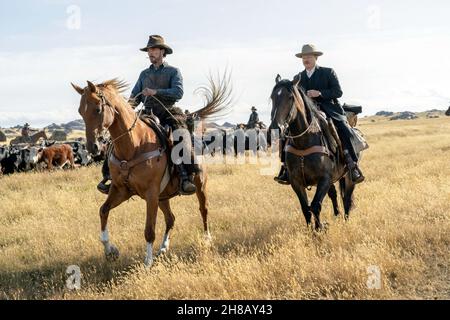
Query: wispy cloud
[{"x": 397, "y": 65}]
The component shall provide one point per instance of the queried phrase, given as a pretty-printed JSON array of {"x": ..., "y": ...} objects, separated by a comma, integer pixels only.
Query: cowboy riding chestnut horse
[{"x": 141, "y": 161}]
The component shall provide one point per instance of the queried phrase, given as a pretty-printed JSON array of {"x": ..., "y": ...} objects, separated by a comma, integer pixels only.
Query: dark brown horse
[
  {"x": 138, "y": 164},
  {"x": 309, "y": 163}
]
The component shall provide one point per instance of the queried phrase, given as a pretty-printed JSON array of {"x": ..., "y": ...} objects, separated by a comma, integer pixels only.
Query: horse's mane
[
  {"x": 289, "y": 85},
  {"x": 118, "y": 85}
]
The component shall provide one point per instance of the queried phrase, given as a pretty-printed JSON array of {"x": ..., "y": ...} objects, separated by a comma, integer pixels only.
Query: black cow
[
  {"x": 28, "y": 159},
  {"x": 80, "y": 153},
  {"x": 10, "y": 163}
]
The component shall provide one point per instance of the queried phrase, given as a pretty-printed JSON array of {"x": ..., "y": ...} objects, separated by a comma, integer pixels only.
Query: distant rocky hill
[
  {"x": 212, "y": 125},
  {"x": 67, "y": 127},
  {"x": 228, "y": 125},
  {"x": 384, "y": 114},
  {"x": 408, "y": 115}
]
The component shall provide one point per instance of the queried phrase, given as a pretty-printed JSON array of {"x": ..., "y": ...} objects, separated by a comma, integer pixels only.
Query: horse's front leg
[
  {"x": 115, "y": 198},
  {"x": 316, "y": 205},
  {"x": 332, "y": 193},
  {"x": 170, "y": 221},
  {"x": 303, "y": 198},
  {"x": 152, "y": 199}
]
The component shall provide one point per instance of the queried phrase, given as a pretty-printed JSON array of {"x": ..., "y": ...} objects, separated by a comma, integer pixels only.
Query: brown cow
[{"x": 56, "y": 155}]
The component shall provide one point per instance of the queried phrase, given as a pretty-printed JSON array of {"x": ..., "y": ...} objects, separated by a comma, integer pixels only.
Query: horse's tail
[{"x": 218, "y": 98}]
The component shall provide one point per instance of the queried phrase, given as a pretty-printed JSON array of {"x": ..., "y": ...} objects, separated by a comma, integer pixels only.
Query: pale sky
[{"x": 389, "y": 55}]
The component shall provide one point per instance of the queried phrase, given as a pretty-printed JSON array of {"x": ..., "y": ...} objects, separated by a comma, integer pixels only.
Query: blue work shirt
[{"x": 166, "y": 80}]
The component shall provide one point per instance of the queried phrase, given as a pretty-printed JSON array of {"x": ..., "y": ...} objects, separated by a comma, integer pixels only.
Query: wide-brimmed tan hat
[
  {"x": 309, "y": 49},
  {"x": 156, "y": 41}
]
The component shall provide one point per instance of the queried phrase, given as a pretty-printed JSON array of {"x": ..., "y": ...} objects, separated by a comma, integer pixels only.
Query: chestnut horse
[
  {"x": 138, "y": 147},
  {"x": 31, "y": 139}
]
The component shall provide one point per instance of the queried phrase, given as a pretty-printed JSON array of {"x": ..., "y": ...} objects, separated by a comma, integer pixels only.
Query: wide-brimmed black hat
[
  {"x": 156, "y": 41},
  {"x": 254, "y": 109}
]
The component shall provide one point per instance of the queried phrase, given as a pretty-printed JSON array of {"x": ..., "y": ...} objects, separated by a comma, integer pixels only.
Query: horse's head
[
  {"x": 283, "y": 109},
  {"x": 97, "y": 113}
]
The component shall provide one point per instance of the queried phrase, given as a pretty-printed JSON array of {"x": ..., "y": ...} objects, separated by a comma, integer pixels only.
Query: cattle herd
[{"x": 47, "y": 155}]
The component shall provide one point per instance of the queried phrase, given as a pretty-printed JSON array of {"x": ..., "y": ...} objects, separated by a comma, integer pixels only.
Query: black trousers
[
  {"x": 175, "y": 118},
  {"x": 346, "y": 135}
]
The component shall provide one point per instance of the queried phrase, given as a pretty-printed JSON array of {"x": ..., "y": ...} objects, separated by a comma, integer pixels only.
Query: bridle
[
  {"x": 295, "y": 107},
  {"x": 104, "y": 102}
]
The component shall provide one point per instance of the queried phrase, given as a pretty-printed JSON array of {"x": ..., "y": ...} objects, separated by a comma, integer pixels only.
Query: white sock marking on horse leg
[
  {"x": 104, "y": 238},
  {"x": 207, "y": 236},
  {"x": 149, "y": 257},
  {"x": 165, "y": 243}
]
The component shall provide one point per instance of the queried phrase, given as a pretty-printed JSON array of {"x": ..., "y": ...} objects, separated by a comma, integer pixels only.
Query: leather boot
[
  {"x": 103, "y": 187},
  {"x": 355, "y": 173},
  {"x": 283, "y": 176},
  {"x": 186, "y": 185}
]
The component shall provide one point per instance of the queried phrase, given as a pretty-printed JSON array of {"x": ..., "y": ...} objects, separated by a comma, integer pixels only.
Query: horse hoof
[
  {"x": 323, "y": 228},
  {"x": 162, "y": 252},
  {"x": 207, "y": 237},
  {"x": 113, "y": 254},
  {"x": 148, "y": 262}
]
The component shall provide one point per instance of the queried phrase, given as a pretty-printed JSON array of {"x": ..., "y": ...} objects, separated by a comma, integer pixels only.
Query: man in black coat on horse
[{"x": 322, "y": 86}]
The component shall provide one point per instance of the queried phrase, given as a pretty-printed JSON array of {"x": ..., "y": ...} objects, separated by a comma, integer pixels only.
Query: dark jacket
[
  {"x": 253, "y": 121},
  {"x": 326, "y": 81}
]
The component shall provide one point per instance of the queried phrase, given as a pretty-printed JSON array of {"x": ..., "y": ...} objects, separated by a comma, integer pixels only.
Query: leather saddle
[
  {"x": 161, "y": 132},
  {"x": 164, "y": 135},
  {"x": 331, "y": 137}
]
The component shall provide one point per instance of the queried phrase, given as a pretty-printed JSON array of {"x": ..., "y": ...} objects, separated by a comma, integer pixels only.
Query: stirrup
[
  {"x": 103, "y": 187},
  {"x": 189, "y": 184},
  {"x": 360, "y": 177},
  {"x": 283, "y": 177}
]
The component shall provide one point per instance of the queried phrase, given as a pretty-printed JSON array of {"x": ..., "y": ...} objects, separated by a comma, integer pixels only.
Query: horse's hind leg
[
  {"x": 115, "y": 198},
  {"x": 200, "y": 183},
  {"x": 170, "y": 221},
  {"x": 347, "y": 187},
  {"x": 332, "y": 193}
]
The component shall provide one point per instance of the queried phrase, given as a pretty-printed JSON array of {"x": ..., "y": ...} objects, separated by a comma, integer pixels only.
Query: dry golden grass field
[{"x": 261, "y": 246}]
